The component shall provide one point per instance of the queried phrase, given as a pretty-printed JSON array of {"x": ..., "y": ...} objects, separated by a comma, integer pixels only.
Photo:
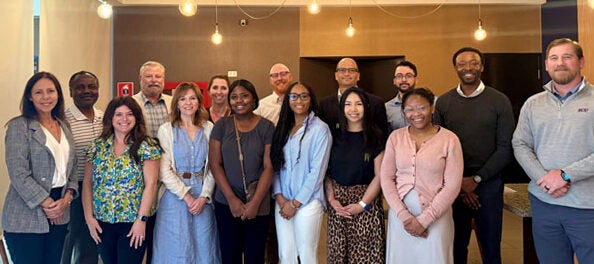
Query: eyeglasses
[
  {"x": 303, "y": 96},
  {"x": 410, "y": 109},
  {"x": 344, "y": 70},
  {"x": 407, "y": 76},
  {"x": 279, "y": 74},
  {"x": 473, "y": 64}
]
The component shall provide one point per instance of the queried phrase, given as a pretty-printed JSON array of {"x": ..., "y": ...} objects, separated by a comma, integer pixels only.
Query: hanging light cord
[
  {"x": 479, "y": 9},
  {"x": 350, "y": 10},
  {"x": 217, "y": 12},
  {"x": 261, "y": 17},
  {"x": 408, "y": 17}
]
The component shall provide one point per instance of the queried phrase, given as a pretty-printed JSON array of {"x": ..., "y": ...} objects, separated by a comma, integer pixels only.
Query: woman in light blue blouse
[
  {"x": 120, "y": 183},
  {"x": 300, "y": 152},
  {"x": 186, "y": 230}
]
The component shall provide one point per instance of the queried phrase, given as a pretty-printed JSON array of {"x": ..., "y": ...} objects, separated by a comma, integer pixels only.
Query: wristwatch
[
  {"x": 364, "y": 205},
  {"x": 565, "y": 176},
  {"x": 477, "y": 179},
  {"x": 143, "y": 218}
]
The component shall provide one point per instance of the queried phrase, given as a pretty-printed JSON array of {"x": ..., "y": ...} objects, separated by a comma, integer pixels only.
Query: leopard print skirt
[{"x": 360, "y": 239}]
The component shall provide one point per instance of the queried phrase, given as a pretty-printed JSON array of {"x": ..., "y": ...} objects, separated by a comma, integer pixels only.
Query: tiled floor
[{"x": 511, "y": 244}]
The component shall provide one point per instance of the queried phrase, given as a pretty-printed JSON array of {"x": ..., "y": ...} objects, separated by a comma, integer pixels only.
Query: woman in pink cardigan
[{"x": 420, "y": 176}]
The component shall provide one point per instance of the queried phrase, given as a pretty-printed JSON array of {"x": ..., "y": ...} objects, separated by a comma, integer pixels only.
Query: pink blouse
[{"x": 435, "y": 172}]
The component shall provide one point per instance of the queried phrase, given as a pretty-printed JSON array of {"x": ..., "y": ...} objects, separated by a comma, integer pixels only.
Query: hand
[
  {"x": 136, "y": 233},
  {"x": 250, "y": 211},
  {"x": 471, "y": 200},
  {"x": 200, "y": 203},
  {"x": 340, "y": 210},
  {"x": 468, "y": 184},
  {"x": 55, "y": 209},
  {"x": 94, "y": 229},
  {"x": 195, "y": 205},
  {"x": 553, "y": 184},
  {"x": 414, "y": 228},
  {"x": 354, "y": 209},
  {"x": 237, "y": 207},
  {"x": 287, "y": 211}
]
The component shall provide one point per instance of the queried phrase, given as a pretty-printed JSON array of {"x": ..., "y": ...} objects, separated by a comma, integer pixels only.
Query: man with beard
[
  {"x": 483, "y": 120},
  {"x": 347, "y": 75},
  {"x": 553, "y": 143},
  {"x": 155, "y": 108},
  {"x": 154, "y": 104},
  {"x": 280, "y": 79},
  {"x": 405, "y": 79},
  {"x": 86, "y": 125}
]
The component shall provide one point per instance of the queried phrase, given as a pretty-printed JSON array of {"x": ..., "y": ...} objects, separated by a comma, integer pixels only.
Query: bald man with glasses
[
  {"x": 347, "y": 75},
  {"x": 280, "y": 79}
]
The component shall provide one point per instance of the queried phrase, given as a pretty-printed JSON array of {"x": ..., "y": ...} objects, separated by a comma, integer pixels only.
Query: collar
[
  {"x": 575, "y": 89},
  {"x": 145, "y": 100},
  {"x": 276, "y": 98},
  {"x": 476, "y": 92},
  {"x": 79, "y": 116}
]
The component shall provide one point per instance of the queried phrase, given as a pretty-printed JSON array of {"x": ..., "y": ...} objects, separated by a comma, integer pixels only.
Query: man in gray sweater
[{"x": 554, "y": 143}]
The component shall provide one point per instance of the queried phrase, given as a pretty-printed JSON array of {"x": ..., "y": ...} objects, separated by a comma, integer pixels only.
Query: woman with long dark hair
[
  {"x": 356, "y": 218},
  {"x": 300, "y": 152},
  {"x": 239, "y": 157},
  {"x": 120, "y": 183},
  {"x": 40, "y": 158}
]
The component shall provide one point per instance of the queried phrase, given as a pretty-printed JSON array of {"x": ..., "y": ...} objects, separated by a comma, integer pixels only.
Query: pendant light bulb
[
  {"x": 350, "y": 31},
  {"x": 480, "y": 33},
  {"x": 104, "y": 10},
  {"x": 591, "y": 3},
  {"x": 188, "y": 7},
  {"x": 216, "y": 38},
  {"x": 314, "y": 7}
]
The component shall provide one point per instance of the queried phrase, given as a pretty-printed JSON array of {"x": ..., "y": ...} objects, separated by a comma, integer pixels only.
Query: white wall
[
  {"x": 72, "y": 38},
  {"x": 16, "y": 66}
]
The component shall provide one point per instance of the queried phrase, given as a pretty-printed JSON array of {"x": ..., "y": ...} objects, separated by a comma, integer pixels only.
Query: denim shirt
[{"x": 302, "y": 179}]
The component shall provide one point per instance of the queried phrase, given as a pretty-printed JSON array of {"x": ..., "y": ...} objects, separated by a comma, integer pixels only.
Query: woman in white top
[{"x": 40, "y": 159}]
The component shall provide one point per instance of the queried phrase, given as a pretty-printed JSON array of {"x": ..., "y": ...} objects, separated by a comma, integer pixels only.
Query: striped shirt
[{"x": 84, "y": 132}]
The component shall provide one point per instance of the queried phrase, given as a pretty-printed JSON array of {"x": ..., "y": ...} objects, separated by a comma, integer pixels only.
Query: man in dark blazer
[{"x": 347, "y": 75}]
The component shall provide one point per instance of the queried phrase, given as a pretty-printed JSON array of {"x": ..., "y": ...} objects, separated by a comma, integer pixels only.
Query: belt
[{"x": 188, "y": 175}]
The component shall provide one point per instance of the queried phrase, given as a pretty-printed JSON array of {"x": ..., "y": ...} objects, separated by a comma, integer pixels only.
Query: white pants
[{"x": 299, "y": 236}]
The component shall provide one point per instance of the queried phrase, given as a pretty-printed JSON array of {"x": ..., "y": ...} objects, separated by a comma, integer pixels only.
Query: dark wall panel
[{"x": 183, "y": 44}]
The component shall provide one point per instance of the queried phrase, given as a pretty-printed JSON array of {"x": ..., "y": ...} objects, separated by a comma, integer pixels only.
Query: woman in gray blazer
[{"x": 40, "y": 160}]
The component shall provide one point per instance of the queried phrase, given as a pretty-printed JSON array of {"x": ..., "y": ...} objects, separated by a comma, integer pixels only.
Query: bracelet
[{"x": 293, "y": 205}]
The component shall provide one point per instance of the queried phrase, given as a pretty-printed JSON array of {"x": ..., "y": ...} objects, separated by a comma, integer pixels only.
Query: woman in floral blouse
[{"x": 120, "y": 183}]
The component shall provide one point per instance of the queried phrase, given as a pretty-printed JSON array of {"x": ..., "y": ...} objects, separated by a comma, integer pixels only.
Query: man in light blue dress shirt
[{"x": 405, "y": 79}]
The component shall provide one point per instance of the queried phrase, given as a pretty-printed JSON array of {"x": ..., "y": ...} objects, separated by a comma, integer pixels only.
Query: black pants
[
  {"x": 38, "y": 248},
  {"x": 150, "y": 228},
  {"x": 237, "y": 237},
  {"x": 115, "y": 246},
  {"x": 488, "y": 219}
]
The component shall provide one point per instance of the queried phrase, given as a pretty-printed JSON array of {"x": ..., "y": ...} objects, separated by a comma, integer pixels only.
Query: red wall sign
[{"x": 125, "y": 88}]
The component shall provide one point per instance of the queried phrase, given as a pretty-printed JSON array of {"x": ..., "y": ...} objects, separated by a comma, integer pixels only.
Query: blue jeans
[
  {"x": 79, "y": 247},
  {"x": 488, "y": 219},
  {"x": 561, "y": 231}
]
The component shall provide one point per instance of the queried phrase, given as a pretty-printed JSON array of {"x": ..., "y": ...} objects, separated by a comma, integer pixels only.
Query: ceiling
[{"x": 329, "y": 2}]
